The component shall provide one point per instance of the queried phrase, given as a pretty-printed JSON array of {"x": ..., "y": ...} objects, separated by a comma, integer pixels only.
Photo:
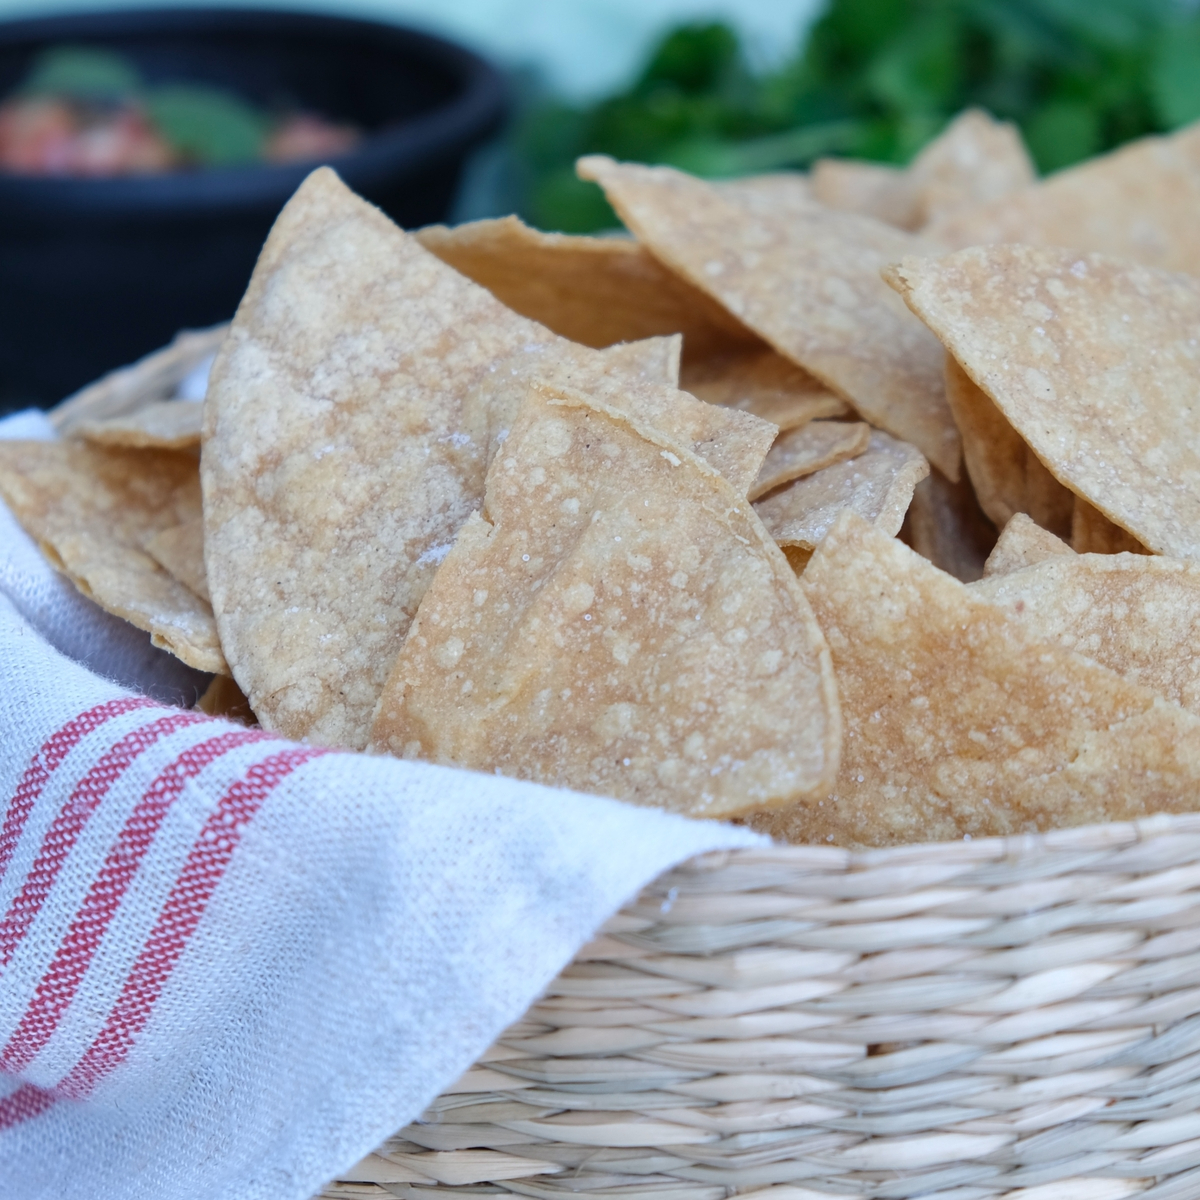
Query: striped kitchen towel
[{"x": 231, "y": 965}]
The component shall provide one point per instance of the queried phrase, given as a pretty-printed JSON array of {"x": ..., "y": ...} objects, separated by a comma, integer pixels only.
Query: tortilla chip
[
  {"x": 161, "y": 425},
  {"x": 959, "y": 721},
  {"x": 1093, "y": 533},
  {"x": 870, "y": 189},
  {"x": 974, "y": 160},
  {"x": 155, "y": 377},
  {"x": 760, "y": 381},
  {"x": 877, "y": 485},
  {"x": 1138, "y": 202},
  {"x": 777, "y": 192},
  {"x": 619, "y": 623},
  {"x": 813, "y": 447},
  {"x": 808, "y": 283},
  {"x": 945, "y": 525},
  {"x": 1092, "y": 362},
  {"x": 1007, "y": 476},
  {"x": 1135, "y": 614},
  {"x": 90, "y": 509},
  {"x": 223, "y": 698},
  {"x": 179, "y": 550},
  {"x": 734, "y": 442},
  {"x": 340, "y": 456},
  {"x": 1022, "y": 543},
  {"x": 596, "y": 291}
]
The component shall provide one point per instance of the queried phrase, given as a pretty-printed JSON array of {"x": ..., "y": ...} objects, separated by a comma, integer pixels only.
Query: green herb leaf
[{"x": 208, "y": 125}]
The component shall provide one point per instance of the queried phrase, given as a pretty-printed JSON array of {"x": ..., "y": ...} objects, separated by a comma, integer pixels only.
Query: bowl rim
[{"x": 441, "y": 132}]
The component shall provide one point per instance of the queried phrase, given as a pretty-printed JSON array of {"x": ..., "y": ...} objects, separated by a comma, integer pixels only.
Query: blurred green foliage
[{"x": 876, "y": 79}]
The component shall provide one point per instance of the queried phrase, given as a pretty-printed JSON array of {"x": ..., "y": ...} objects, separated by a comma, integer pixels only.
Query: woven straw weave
[{"x": 1013, "y": 1018}]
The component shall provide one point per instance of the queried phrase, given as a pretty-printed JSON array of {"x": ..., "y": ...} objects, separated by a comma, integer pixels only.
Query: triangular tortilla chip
[
  {"x": 813, "y": 447},
  {"x": 90, "y": 509},
  {"x": 779, "y": 193},
  {"x": 619, "y": 623},
  {"x": 1138, "y": 202},
  {"x": 1135, "y": 614},
  {"x": 870, "y": 189},
  {"x": 808, "y": 282},
  {"x": 759, "y": 381},
  {"x": 338, "y": 461},
  {"x": 1007, "y": 476},
  {"x": 877, "y": 485},
  {"x": 1022, "y": 543},
  {"x": 945, "y": 525},
  {"x": 179, "y": 550},
  {"x": 162, "y": 425},
  {"x": 732, "y": 441},
  {"x": 959, "y": 721},
  {"x": 596, "y": 291},
  {"x": 158, "y": 376},
  {"x": 600, "y": 291},
  {"x": 974, "y": 160},
  {"x": 1093, "y": 533},
  {"x": 1093, "y": 362}
]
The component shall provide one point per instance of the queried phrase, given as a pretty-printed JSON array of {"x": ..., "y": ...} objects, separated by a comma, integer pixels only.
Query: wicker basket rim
[{"x": 1076, "y": 840}]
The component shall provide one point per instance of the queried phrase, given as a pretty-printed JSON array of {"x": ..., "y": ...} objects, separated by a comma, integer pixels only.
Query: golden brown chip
[
  {"x": 179, "y": 550},
  {"x": 90, "y": 509},
  {"x": 1093, "y": 533},
  {"x": 877, "y": 485},
  {"x": 155, "y": 377},
  {"x": 1022, "y": 543},
  {"x": 162, "y": 425},
  {"x": 1135, "y": 614},
  {"x": 758, "y": 380},
  {"x": 620, "y": 624},
  {"x": 867, "y": 188},
  {"x": 1138, "y": 202},
  {"x": 808, "y": 282},
  {"x": 1093, "y": 362},
  {"x": 800, "y": 452},
  {"x": 596, "y": 291},
  {"x": 974, "y": 160},
  {"x": 1007, "y": 476},
  {"x": 945, "y": 524},
  {"x": 223, "y": 698},
  {"x": 959, "y": 721},
  {"x": 340, "y": 456}
]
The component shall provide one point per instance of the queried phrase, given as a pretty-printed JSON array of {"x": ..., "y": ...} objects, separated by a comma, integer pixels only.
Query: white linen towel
[{"x": 231, "y": 965}]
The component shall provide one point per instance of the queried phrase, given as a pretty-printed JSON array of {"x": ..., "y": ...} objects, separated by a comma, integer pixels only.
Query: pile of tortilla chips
[{"x": 862, "y": 506}]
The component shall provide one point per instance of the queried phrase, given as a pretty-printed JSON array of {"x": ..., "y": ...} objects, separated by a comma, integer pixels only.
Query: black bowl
[{"x": 95, "y": 273}]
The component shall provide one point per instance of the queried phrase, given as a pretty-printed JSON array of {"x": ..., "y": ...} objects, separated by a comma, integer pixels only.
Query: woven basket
[
  {"x": 1009, "y": 1018},
  {"x": 1014, "y": 1018}
]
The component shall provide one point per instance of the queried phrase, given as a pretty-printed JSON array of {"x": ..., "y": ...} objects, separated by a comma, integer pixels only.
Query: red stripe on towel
[
  {"x": 64, "y": 832},
  {"x": 26, "y": 1102},
  {"x": 58, "y": 986},
  {"x": 47, "y": 760},
  {"x": 198, "y": 880}
]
